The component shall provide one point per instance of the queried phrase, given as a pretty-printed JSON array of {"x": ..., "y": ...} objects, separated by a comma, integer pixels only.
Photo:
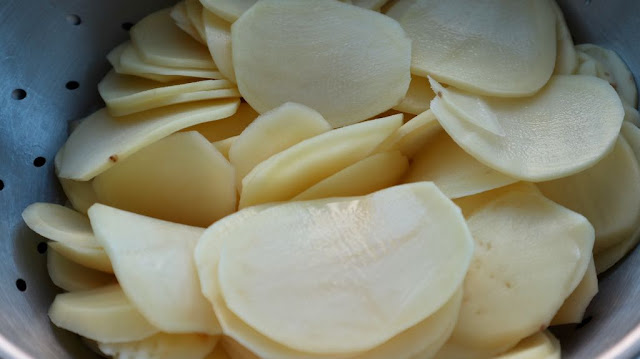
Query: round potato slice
[
  {"x": 230, "y": 10},
  {"x": 349, "y": 68},
  {"x": 540, "y": 139},
  {"x": 566, "y": 56},
  {"x": 163, "y": 346},
  {"x": 60, "y": 224},
  {"x": 290, "y": 172},
  {"x": 153, "y": 261},
  {"x": 71, "y": 276},
  {"x": 79, "y": 193},
  {"x": 90, "y": 257},
  {"x": 455, "y": 172},
  {"x": 100, "y": 141},
  {"x": 481, "y": 46},
  {"x": 103, "y": 314},
  {"x": 218, "y": 35},
  {"x": 231, "y": 126},
  {"x": 181, "y": 18},
  {"x": 573, "y": 308},
  {"x": 194, "y": 13},
  {"x": 417, "y": 98},
  {"x": 412, "y": 135}
]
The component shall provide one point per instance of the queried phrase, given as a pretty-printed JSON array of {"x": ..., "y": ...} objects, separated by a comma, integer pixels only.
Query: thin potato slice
[
  {"x": 542, "y": 345},
  {"x": 455, "y": 172},
  {"x": 181, "y": 18},
  {"x": 181, "y": 178},
  {"x": 218, "y": 35},
  {"x": 412, "y": 135},
  {"x": 587, "y": 65},
  {"x": 417, "y": 98},
  {"x": 540, "y": 141},
  {"x": 103, "y": 314},
  {"x": 290, "y": 172},
  {"x": 71, "y": 276},
  {"x": 471, "y": 204},
  {"x": 348, "y": 69},
  {"x": 371, "y": 174},
  {"x": 90, "y": 257},
  {"x": 225, "y": 145},
  {"x": 566, "y": 56},
  {"x": 631, "y": 134},
  {"x": 60, "y": 224},
  {"x": 607, "y": 258},
  {"x": 230, "y": 10},
  {"x": 153, "y": 261},
  {"x": 163, "y": 346},
  {"x": 79, "y": 193},
  {"x": 100, "y": 141},
  {"x": 273, "y": 132},
  {"x": 133, "y": 65},
  {"x": 481, "y": 46},
  {"x": 231, "y": 126},
  {"x": 573, "y": 308},
  {"x": 631, "y": 115},
  {"x": 194, "y": 13}
]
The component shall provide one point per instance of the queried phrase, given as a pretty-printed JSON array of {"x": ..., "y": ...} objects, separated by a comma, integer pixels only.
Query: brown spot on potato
[
  {"x": 113, "y": 158},
  {"x": 439, "y": 93}
]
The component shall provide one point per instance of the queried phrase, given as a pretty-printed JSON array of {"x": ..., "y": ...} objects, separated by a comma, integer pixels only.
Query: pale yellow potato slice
[
  {"x": 455, "y": 172},
  {"x": 230, "y": 10},
  {"x": 607, "y": 194},
  {"x": 218, "y": 35},
  {"x": 60, "y": 224},
  {"x": 163, "y": 346},
  {"x": 417, "y": 98},
  {"x": 231, "y": 126},
  {"x": 366, "y": 176},
  {"x": 542, "y": 345},
  {"x": 100, "y": 141},
  {"x": 607, "y": 258},
  {"x": 194, "y": 13},
  {"x": 540, "y": 141},
  {"x": 225, "y": 145},
  {"x": 181, "y": 178},
  {"x": 160, "y": 42},
  {"x": 573, "y": 308},
  {"x": 290, "y": 172},
  {"x": 125, "y": 95},
  {"x": 153, "y": 261},
  {"x": 481, "y": 46},
  {"x": 566, "y": 56},
  {"x": 631, "y": 115},
  {"x": 72, "y": 277},
  {"x": 530, "y": 255},
  {"x": 471, "y": 204},
  {"x": 181, "y": 18},
  {"x": 413, "y": 135},
  {"x": 79, "y": 193},
  {"x": 273, "y": 132},
  {"x": 103, "y": 314},
  {"x": 631, "y": 134},
  {"x": 348, "y": 69},
  {"x": 587, "y": 65},
  {"x": 90, "y": 257}
]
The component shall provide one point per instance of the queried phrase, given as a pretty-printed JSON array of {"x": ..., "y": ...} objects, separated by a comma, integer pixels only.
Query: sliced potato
[
  {"x": 290, "y": 172},
  {"x": 471, "y": 204},
  {"x": 90, "y": 257},
  {"x": 231, "y": 126},
  {"x": 417, "y": 98},
  {"x": 103, "y": 314},
  {"x": 366, "y": 176},
  {"x": 412, "y": 135},
  {"x": 540, "y": 141},
  {"x": 587, "y": 65},
  {"x": 631, "y": 115},
  {"x": 60, "y": 224},
  {"x": 218, "y": 35},
  {"x": 607, "y": 258},
  {"x": 631, "y": 134},
  {"x": 566, "y": 56},
  {"x": 153, "y": 261},
  {"x": 370, "y": 4},
  {"x": 163, "y": 346},
  {"x": 348, "y": 69},
  {"x": 181, "y": 178},
  {"x": 573, "y": 308},
  {"x": 181, "y": 18},
  {"x": 273, "y": 132},
  {"x": 230, "y": 10},
  {"x": 542, "y": 345},
  {"x": 455, "y": 172},
  {"x": 481, "y": 47},
  {"x": 72, "y": 277},
  {"x": 194, "y": 13},
  {"x": 79, "y": 193},
  {"x": 100, "y": 140},
  {"x": 225, "y": 145}
]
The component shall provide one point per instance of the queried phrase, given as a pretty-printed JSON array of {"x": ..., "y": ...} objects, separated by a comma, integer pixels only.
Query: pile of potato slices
[{"x": 363, "y": 179}]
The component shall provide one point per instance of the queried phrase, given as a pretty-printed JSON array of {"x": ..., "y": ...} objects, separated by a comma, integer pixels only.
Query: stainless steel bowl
[{"x": 52, "y": 55}]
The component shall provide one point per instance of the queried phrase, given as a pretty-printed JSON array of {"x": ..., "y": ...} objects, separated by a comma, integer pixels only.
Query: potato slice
[
  {"x": 471, "y": 204},
  {"x": 231, "y": 126},
  {"x": 542, "y": 345},
  {"x": 181, "y": 178},
  {"x": 290, "y": 172},
  {"x": 631, "y": 134},
  {"x": 607, "y": 194},
  {"x": 103, "y": 314},
  {"x": 72, "y": 277},
  {"x": 153, "y": 261},
  {"x": 125, "y": 95},
  {"x": 573, "y": 308},
  {"x": 631, "y": 115},
  {"x": 229, "y": 10},
  {"x": 60, "y": 224},
  {"x": 218, "y": 35},
  {"x": 181, "y": 18},
  {"x": 100, "y": 140},
  {"x": 348, "y": 69},
  {"x": 160, "y": 42},
  {"x": 566, "y": 56},
  {"x": 225, "y": 145},
  {"x": 79, "y": 193},
  {"x": 371, "y": 174},
  {"x": 538, "y": 150},
  {"x": 481, "y": 47},
  {"x": 370, "y": 4},
  {"x": 531, "y": 253},
  {"x": 417, "y": 98},
  {"x": 194, "y": 13},
  {"x": 587, "y": 65},
  {"x": 273, "y": 132},
  {"x": 455, "y": 172},
  {"x": 608, "y": 257},
  {"x": 90, "y": 257},
  {"x": 163, "y": 346},
  {"x": 412, "y": 135}
]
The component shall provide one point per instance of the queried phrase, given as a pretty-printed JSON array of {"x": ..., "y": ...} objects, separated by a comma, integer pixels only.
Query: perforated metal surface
[{"x": 53, "y": 51}]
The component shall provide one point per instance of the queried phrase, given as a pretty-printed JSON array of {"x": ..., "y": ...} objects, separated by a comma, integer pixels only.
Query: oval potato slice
[
  {"x": 566, "y": 56},
  {"x": 574, "y": 307},
  {"x": 60, "y": 224},
  {"x": 71, "y": 276},
  {"x": 103, "y": 314},
  {"x": 218, "y": 35},
  {"x": 348, "y": 69},
  {"x": 79, "y": 193},
  {"x": 194, "y": 13},
  {"x": 418, "y": 96},
  {"x": 163, "y": 346},
  {"x": 181, "y": 18},
  {"x": 90, "y": 257},
  {"x": 227, "y": 127},
  {"x": 412, "y": 135},
  {"x": 230, "y": 10}
]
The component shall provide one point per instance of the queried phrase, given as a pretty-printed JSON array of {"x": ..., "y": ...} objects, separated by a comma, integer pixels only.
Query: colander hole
[
  {"x": 72, "y": 85},
  {"x": 1, "y": 185},
  {"x": 42, "y": 247},
  {"x": 74, "y": 19},
  {"x": 39, "y": 161},
  {"x": 18, "y": 94},
  {"x": 126, "y": 26},
  {"x": 21, "y": 284},
  {"x": 584, "y": 322}
]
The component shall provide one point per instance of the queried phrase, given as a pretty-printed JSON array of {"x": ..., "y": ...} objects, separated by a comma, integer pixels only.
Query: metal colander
[{"x": 52, "y": 55}]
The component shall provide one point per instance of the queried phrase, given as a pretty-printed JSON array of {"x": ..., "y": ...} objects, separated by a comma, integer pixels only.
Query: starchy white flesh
[
  {"x": 587, "y": 65},
  {"x": 610, "y": 256},
  {"x": 566, "y": 56},
  {"x": 471, "y": 204},
  {"x": 540, "y": 141},
  {"x": 354, "y": 247},
  {"x": 59, "y": 223},
  {"x": 181, "y": 18},
  {"x": 100, "y": 141},
  {"x": 125, "y": 95},
  {"x": 290, "y": 172},
  {"x": 227, "y": 127},
  {"x": 607, "y": 194},
  {"x": 79, "y": 193},
  {"x": 153, "y": 261},
  {"x": 163, "y": 346},
  {"x": 621, "y": 78},
  {"x": 530, "y": 254},
  {"x": 573, "y": 308},
  {"x": 349, "y": 68},
  {"x": 230, "y": 10},
  {"x": 542, "y": 345},
  {"x": 417, "y": 98},
  {"x": 72, "y": 277},
  {"x": 225, "y": 145},
  {"x": 471, "y": 45},
  {"x": 90, "y": 257},
  {"x": 412, "y": 135},
  {"x": 455, "y": 172},
  {"x": 194, "y": 13},
  {"x": 371, "y": 174},
  {"x": 631, "y": 115},
  {"x": 160, "y": 42},
  {"x": 218, "y": 35},
  {"x": 181, "y": 178},
  {"x": 273, "y": 132},
  {"x": 103, "y": 314}
]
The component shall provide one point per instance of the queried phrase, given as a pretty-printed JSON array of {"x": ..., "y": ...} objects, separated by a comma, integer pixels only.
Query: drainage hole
[
  {"x": 39, "y": 161},
  {"x": 18, "y": 94},
  {"x": 72, "y": 85},
  {"x": 42, "y": 247},
  {"x": 21, "y": 285},
  {"x": 1, "y": 185},
  {"x": 74, "y": 19}
]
